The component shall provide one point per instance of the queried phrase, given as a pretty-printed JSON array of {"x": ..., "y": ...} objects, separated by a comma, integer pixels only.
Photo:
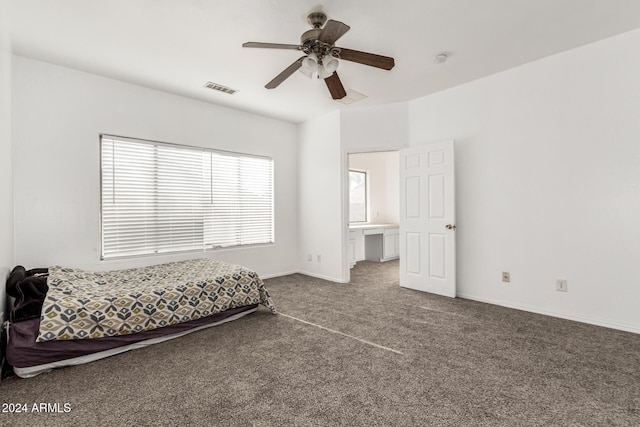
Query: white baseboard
[
  {"x": 323, "y": 277},
  {"x": 306, "y": 273},
  {"x": 271, "y": 276},
  {"x": 598, "y": 322}
]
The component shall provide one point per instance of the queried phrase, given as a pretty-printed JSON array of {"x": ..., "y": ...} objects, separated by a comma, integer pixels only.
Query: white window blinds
[{"x": 159, "y": 198}]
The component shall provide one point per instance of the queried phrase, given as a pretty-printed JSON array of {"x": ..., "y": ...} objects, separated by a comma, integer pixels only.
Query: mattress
[
  {"x": 30, "y": 358},
  {"x": 83, "y": 304}
]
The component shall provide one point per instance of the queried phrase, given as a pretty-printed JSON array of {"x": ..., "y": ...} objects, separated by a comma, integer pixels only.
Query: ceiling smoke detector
[{"x": 440, "y": 58}]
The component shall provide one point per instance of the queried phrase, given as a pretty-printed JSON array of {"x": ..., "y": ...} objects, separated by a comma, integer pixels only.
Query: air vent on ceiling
[
  {"x": 352, "y": 96},
  {"x": 220, "y": 88}
]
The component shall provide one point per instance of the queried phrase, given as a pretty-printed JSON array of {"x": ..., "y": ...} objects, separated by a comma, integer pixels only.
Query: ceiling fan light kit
[
  {"x": 310, "y": 63},
  {"x": 321, "y": 54},
  {"x": 330, "y": 63},
  {"x": 323, "y": 69}
]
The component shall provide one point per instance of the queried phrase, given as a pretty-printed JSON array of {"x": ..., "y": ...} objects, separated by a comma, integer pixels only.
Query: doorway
[
  {"x": 373, "y": 203},
  {"x": 421, "y": 230}
]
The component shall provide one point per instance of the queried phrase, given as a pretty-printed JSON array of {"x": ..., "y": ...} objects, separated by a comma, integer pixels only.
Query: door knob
[{"x": 450, "y": 227}]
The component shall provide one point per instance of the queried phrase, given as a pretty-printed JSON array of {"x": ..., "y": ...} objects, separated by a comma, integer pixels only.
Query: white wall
[
  {"x": 6, "y": 174},
  {"x": 548, "y": 181},
  {"x": 58, "y": 114},
  {"x": 383, "y": 184},
  {"x": 379, "y": 128},
  {"x": 322, "y": 226}
]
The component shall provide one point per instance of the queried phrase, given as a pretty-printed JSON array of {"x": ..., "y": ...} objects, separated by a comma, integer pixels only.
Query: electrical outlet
[
  {"x": 319, "y": 258},
  {"x": 309, "y": 258},
  {"x": 506, "y": 277},
  {"x": 561, "y": 285}
]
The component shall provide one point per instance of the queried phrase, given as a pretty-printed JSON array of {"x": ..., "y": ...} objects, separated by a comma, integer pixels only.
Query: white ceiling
[{"x": 177, "y": 46}]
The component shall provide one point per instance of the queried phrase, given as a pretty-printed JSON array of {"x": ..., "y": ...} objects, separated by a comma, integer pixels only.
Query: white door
[{"x": 427, "y": 219}]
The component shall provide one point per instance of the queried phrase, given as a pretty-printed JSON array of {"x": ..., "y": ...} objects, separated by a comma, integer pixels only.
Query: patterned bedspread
[{"x": 83, "y": 304}]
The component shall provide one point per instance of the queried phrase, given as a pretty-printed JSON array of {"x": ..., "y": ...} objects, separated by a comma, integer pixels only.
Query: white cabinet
[
  {"x": 352, "y": 253},
  {"x": 390, "y": 247},
  {"x": 382, "y": 244},
  {"x": 390, "y": 244},
  {"x": 352, "y": 247}
]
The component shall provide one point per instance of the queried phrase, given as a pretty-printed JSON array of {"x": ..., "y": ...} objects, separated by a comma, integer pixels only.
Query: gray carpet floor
[{"x": 360, "y": 354}]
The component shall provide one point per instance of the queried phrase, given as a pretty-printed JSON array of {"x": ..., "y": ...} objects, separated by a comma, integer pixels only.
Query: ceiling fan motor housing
[
  {"x": 311, "y": 44},
  {"x": 310, "y": 38}
]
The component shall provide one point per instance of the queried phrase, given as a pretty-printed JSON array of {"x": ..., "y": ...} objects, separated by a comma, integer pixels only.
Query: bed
[{"x": 64, "y": 316}]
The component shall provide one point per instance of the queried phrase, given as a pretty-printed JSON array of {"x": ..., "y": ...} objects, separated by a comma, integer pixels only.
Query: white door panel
[{"x": 427, "y": 207}]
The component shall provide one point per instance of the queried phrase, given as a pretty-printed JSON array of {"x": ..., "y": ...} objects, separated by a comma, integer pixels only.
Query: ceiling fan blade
[
  {"x": 272, "y": 45},
  {"x": 379, "y": 61},
  {"x": 335, "y": 86},
  {"x": 285, "y": 74},
  {"x": 332, "y": 31}
]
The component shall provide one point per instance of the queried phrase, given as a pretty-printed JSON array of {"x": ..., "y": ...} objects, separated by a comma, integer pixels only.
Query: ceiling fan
[{"x": 321, "y": 54}]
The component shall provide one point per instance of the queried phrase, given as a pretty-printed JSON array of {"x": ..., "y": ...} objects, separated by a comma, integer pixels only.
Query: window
[
  {"x": 357, "y": 196},
  {"x": 159, "y": 198}
]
